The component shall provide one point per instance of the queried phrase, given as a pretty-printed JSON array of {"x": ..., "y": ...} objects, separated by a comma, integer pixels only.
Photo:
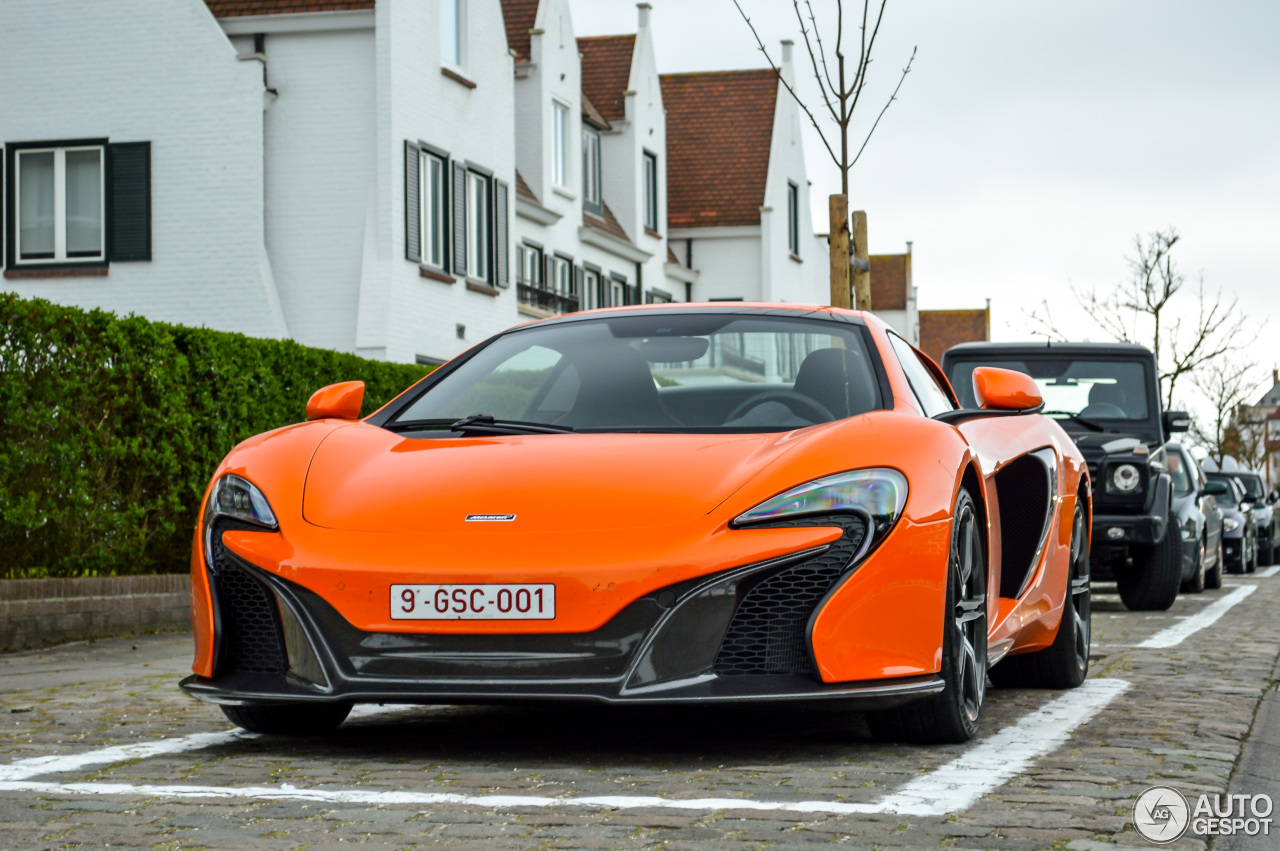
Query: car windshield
[
  {"x": 1180, "y": 471},
  {"x": 699, "y": 372},
  {"x": 1088, "y": 388},
  {"x": 1252, "y": 485},
  {"x": 1228, "y": 498}
]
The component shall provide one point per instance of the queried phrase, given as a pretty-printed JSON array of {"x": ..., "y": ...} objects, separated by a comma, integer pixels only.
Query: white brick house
[
  {"x": 590, "y": 141},
  {"x": 739, "y": 202},
  {"x": 399, "y": 178}
]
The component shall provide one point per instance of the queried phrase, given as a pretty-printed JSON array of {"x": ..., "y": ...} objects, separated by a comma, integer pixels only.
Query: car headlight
[
  {"x": 1125, "y": 478},
  {"x": 879, "y": 493},
  {"x": 236, "y": 499},
  {"x": 1230, "y": 524}
]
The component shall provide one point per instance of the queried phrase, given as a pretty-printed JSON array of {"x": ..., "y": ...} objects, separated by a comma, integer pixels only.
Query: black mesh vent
[
  {"x": 767, "y": 632},
  {"x": 251, "y": 640}
]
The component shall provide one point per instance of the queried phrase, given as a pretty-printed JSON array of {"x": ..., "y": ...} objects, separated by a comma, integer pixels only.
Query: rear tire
[
  {"x": 289, "y": 719},
  {"x": 1266, "y": 553},
  {"x": 1152, "y": 585},
  {"x": 1213, "y": 578},
  {"x": 1196, "y": 584},
  {"x": 1065, "y": 663},
  {"x": 1251, "y": 565},
  {"x": 954, "y": 714}
]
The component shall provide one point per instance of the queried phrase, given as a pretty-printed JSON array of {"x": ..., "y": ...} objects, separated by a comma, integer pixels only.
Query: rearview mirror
[
  {"x": 336, "y": 402},
  {"x": 1005, "y": 389},
  {"x": 1214, "y": 489},
  {"x": 1176, "y": 421}
]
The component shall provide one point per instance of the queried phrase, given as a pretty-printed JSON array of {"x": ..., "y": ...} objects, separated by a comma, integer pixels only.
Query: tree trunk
[
  {"x": 861, "y": 269},
  {"x": 839, "y": 245}
]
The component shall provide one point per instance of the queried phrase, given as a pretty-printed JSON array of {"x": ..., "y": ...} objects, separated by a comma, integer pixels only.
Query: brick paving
[{"x": 1181, "y": 723}]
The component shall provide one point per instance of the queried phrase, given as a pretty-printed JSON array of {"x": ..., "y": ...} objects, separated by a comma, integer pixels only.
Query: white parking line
[
  {"x": 954, "y": 786},
  {"x": 1270, "y": 571},
  {"x": 961, "y": 782},
  {"x": 1206, "y": 617}
]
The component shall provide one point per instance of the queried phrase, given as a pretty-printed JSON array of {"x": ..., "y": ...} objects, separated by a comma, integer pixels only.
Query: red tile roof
[
  {"x": 519, "y": 16},
  {"x": 609, "y": 224},
  {"x": 719, "y": 131},
  {"x": 890, "y": 278},
  {"x": 942, "y": 329},
  {"x": 523, "y": 190},
  {"x": 606, "y": 71},
  {"x": 244, "y": 8},
  {"x": 592, "y": 116}
]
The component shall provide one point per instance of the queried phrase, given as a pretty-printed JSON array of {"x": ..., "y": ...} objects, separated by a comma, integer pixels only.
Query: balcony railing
[{"x": 536, "y": 296}]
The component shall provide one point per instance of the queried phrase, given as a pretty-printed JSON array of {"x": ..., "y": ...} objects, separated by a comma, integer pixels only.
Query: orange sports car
[{"x": 663, "y": 504}]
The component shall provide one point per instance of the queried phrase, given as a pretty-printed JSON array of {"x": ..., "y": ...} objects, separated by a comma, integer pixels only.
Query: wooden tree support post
[
  {"x": 839, "y": 243},
  {"x": 860, "y": 267}
]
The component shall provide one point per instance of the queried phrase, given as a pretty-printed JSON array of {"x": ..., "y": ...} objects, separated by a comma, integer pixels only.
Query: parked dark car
[
  {"x": 1198, "y": 519},
  {"x": 1107, "y": 397},
  {"x": 1255, "y": 490},
  {"x": 1239, "y": 526}
]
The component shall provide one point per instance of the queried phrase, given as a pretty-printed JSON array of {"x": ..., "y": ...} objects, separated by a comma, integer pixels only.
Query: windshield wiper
[
  {"x": 1084, "y": 422},
  {"x": 480, "y": 424}
]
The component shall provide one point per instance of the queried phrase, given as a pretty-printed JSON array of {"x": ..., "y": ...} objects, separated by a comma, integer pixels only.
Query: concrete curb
[{"x": 39, "y": 611}]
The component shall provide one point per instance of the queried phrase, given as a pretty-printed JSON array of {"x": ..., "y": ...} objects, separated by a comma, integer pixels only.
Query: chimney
[
  {"x": 787, "y": 73},
  {"x": 644, "y": 8},
  {"x": 1275, "y": 376}
]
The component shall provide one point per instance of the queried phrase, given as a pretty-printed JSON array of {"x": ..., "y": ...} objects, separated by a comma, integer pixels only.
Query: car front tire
[
  {"x": 1152, "y": 584},
  {"x": 954, "y": 714},
  {"x": 1213, "y": 578},
  {"x": 289, "y": 719},
  {"x": 1196, "y": 583}
]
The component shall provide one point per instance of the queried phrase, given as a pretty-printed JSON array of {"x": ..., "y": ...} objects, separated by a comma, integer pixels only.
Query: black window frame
[
  {"x": 650, "y": 171},
  {"x": 793, "y": 218},
  {"x": 592, "y": 172}
]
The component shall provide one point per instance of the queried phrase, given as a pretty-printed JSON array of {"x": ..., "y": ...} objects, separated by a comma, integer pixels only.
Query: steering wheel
[
  {"x": 790, "y": 398},
  {"x": 1104, "y": 409}
]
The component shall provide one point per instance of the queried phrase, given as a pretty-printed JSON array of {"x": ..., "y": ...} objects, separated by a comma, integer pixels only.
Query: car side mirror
[
  {"x": 1214, "y": 489},
  {"x": 1273, "y": 497},
  {"x": 1005, "y": 389},
  {"x": 337, "y": 402},
  {"x": 1176, "y": 421}
]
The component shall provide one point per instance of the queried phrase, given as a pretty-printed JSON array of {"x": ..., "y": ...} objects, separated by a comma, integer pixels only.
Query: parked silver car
[{"x": 1198, "y": 519}]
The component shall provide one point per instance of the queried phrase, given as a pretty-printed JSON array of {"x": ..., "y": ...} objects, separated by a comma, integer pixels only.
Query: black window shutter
[
  {"x": 548, "y": 273},
  {"x": 579, "y": 277},
  {"x": 412, "y": 203},
  {"x": 502, "y": 251},
  {"x": 459, "y": 219},
  {"x": 129, "y": 201}
]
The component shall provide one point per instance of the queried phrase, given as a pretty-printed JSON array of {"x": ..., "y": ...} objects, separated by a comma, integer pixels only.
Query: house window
[
  {"x": 560, "y": 143},
  {"x": 617, "y": 290},
  {"x": 793, "y": 218},
  {"x": 479, "y": 226},
  {"x": 651, "y": 191},
  {"x": 433, "y": 210},
  {"x": 561, "y": 282},
  {"x": 452, "y": 24},
  {"x": 591, "y": 171},
  {"x": 657, "y": 296},
  {"x": 60, "y": 205},
  {"x": 530, "y": 265},
  {"x": 590, "y": 289}
]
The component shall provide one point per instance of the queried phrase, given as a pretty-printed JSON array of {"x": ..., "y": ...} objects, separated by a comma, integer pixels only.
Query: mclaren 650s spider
[{"x": 653, "y": 505}]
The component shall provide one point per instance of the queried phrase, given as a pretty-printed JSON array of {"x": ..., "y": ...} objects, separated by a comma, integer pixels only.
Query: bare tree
[
  {"x": 1228, "y": 384},
  {"x": 1143, "y": 310},
  {"x": 841, "y": 95}
]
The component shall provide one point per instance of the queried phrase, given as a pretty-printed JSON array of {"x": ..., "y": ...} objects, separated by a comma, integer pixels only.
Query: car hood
[{"x": 365, "y": 478}]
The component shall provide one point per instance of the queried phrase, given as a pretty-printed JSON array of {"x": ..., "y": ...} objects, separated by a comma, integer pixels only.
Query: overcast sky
[{"x": 1033, "y": 140}]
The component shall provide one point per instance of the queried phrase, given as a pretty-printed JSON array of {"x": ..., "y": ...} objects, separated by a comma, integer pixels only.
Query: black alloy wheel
[
  {"x": 954, "y": 714},
  {"x": 1065, "y": 663}
]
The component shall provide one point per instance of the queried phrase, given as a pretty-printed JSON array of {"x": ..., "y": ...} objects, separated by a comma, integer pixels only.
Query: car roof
[
  {"x": 1102, "y": 349},
  {"x": 812, "y": 311}
]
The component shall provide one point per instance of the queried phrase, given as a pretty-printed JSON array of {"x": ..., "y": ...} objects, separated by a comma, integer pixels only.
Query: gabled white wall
[
  {"x": 409, "y": 315},
  {"x": 160, "y": 71}
]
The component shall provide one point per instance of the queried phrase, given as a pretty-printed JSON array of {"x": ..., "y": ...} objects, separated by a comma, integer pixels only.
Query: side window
[{"x": 933, "y": 399}]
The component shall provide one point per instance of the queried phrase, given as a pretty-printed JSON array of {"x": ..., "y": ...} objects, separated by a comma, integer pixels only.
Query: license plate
[{"x": 473, "y": 602}]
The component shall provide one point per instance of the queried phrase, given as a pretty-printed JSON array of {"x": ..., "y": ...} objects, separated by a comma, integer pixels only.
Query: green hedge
[{"x": 111, "y": 427}]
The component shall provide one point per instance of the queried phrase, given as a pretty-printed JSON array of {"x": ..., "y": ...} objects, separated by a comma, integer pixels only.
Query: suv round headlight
[{"x": 1125, "y": 478}]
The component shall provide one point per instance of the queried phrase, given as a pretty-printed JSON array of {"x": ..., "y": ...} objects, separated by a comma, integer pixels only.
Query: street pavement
[{"x": 1056, "y": 770}]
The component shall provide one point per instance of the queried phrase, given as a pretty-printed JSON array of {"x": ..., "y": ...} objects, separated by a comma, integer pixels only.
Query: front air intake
[
  {"x": 251, "y": 641},
  {"x": 767, "y": 632}
]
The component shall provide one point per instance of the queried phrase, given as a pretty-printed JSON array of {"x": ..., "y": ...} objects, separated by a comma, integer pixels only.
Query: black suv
[{"x": 1107, "y": 397}]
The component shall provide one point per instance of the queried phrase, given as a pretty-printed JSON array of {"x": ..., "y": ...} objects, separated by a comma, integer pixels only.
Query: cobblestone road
[{"x": 1181, "y": 722}]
